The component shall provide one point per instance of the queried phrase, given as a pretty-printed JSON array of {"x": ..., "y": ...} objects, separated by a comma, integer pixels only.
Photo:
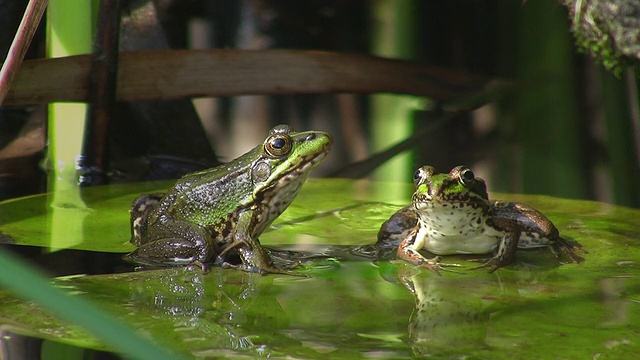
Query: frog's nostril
[{"x": 311, "y": 137}]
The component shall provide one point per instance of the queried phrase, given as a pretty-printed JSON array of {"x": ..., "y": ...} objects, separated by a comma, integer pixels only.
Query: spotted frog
[
  {"x": 208, "y": 215},
  {"x": 452, "y": 214}
]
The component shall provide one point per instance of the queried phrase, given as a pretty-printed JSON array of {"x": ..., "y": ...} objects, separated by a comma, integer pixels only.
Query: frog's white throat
[{"x": 455, "y": 227}]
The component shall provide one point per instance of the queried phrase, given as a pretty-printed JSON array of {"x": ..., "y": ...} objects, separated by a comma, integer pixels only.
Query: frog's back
[
  {"x": 530, "y": 219},
  {"x": 210, "y": 195}
]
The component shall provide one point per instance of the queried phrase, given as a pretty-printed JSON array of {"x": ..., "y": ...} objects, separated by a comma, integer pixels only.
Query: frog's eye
[
  {"x": 417, "y": 176},
  {"x": 421, "y": 175},
  {"x": 467, "y": 176},
  {"x": 278, "y": 145}
]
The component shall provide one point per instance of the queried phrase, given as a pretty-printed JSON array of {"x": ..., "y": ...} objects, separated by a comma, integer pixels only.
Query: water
[
  {"x": 351, "y": 307},
  {"x": 362, "y": 310}
]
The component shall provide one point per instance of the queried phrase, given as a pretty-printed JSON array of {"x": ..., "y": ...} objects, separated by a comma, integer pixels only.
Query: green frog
[
  {"x": 208, "y": 215},
  {"x": 452, "y": 214}
]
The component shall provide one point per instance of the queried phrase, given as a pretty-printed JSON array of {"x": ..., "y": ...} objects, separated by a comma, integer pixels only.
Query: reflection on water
[
  {"x": 350, "y": 306},
  {"x": 204, "y": 313},
  {"x": 335, "y": 313},
  {"x": 354, "y": 309},
  {"x": 232, "y": 313},
  {"x": 450, "y": 314},
  {"x": 616, "y": 302},
  {"x": 505, "y": 313}
]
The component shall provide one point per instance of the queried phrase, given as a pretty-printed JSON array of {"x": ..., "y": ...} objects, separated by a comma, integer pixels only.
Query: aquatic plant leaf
[
  {"x": 350, "y": 306},
  {"x": 91, "y": 218}
]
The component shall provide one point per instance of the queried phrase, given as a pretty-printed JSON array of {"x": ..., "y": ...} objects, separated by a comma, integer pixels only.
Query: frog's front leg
[
  {"x": 257, "y": 259},
  {"x": 174, "y": 242},
  {"x": 409, "y": 250},
  {"x": 254, "y": 257}
]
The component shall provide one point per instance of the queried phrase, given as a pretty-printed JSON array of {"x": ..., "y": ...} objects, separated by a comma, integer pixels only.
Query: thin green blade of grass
[{"x": 26, "y": 282}]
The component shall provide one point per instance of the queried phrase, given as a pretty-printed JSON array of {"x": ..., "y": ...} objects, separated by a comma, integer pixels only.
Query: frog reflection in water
[
  {"x": 451, "y": 316},
  {"x": 452, "y": 214},
  {"x": 208, "y": 215}
]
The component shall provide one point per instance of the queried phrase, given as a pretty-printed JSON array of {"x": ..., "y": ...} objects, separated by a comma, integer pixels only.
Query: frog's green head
[
  {"x": 287, "y": 157},
  {"x": 458, "y": 186}
]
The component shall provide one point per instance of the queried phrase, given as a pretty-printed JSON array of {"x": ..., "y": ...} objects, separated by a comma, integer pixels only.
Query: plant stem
[{"x": 21, "y": 41}]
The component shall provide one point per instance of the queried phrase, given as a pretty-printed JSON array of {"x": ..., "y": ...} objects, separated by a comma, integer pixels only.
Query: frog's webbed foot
[
  {"x": 436, "y": 266},
  {"x": 568, "y": 249},
  {"x": 493, "y": 264},
  {"x": 259, "y": 270},
  {"x": 200, "y": 265},
  {"x": 505, "y": 255},
  {"x": 223, "y": 264},
  {"x": 271, "y": 268},
  {"x": 254, "y": 257}
]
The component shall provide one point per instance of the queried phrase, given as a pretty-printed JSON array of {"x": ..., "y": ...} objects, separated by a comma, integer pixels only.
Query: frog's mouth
[
  {"x": 449, "y": 199},
  {"x": 428, "y": 203},
  {"x": 319, "y": 157},
  {"x": 300, "y": 173},
  {"x": 312, "y": 160}
]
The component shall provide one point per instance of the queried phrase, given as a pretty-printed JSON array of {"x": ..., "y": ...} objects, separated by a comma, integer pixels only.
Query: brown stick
[
  {"x": 21, "y": 41},
  {"x": 174, "y": 74},
  {"x": 102, "y": 89}
]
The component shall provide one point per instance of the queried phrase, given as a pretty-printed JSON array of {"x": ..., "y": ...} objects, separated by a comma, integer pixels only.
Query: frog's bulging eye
[
  {"x": 278, "y": 145},
  {"x": 422, "y": 175},
  {"x": 417, "y": 175},
  {"x": 467, "y": 176}
]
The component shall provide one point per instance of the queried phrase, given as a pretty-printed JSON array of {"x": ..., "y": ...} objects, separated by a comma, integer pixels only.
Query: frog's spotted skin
[
  {"x": 455, "y": 216},
  {"x": 452, "y": 213},
  {"x": 208, "y": 215}
]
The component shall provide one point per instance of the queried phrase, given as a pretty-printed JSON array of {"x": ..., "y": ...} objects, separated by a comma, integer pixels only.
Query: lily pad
[
  {"x": 93, "y": 218},
  {"x": 351, "y": 307}
]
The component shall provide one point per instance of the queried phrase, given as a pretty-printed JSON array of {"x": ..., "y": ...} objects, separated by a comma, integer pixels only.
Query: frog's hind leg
[
  {"x": 164, "y": 252},
  {"x": 139, "y": 214},
  {"x": 175, "y": 244}
]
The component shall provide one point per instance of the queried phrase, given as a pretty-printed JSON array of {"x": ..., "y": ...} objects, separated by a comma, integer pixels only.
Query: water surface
[{"x": 349, "y": 306}]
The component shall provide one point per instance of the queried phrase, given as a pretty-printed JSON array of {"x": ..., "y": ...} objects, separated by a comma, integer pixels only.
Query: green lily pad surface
[{"x": 348, "y": 306}]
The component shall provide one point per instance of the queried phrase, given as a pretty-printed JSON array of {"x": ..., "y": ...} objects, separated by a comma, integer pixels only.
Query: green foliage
[
  {"x": 545, "y": 117},
  {"x": 601, "y": 47},
  {"x": 26, "y": 282},
  {"x": 608, "y": 30}
]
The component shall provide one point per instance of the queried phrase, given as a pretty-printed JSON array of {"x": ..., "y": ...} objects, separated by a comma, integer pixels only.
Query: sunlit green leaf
[{"x": 351, "y": 307}]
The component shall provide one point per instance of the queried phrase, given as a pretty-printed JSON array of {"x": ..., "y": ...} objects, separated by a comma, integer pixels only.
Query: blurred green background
[{"x": 561, "y": 125}]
